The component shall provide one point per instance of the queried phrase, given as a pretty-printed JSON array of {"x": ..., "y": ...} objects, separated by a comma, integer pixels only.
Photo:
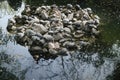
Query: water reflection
[
  {"x": 4, "y": 73},
  {"x": 49, "y": 2},
  {"x": 79, "y": 66},
  {"x": 6, "y": 9},
  {"x": 115, "y": 74},
  {"x": 15, "y": 4},
  {"x": 69, "y": 68}
]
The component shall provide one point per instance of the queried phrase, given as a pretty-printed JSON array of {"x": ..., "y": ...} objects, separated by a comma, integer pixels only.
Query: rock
[
  {"x": 70, "y": 45},
  {"x": 48, "y": 37},
  {"x": 54, "y": 45},
  {"x": 70, "y": 16},
  {"x": 54, "y": 6},
  {"x": 21, "y": 39},
  {"x": 84, "y": 43},
  {"x": 78, "y": 25},
  {"x": 67, "y": 30},
  {"x": 89, "y": 10},
  {"x": 31, "y": 20},
  {"x": 57, "y": 45},
  {"x": 35, "y": 38},
  {"x": 58, "y": 36},
  {"x": 53, "y": 52},
  {"x": 90, "y": 22},
  {"x": 20, "y": 29},
  {"x": 30, "y": 32},
  {"x": 63, "y": 40},
  {"x": 67, "y": 35},
  {"x": 86, "y": 17},
  {"x": 97, "y": 17},
  {"x": 77, "y": 7},
  {"x": 65, "y": 21},
  {"x": 38, "y": 10},
  {"x": 27, "y": 9},
  {"x": 43, "y": 7},
  {"x": 45, "y": 23},
  {"x": 55, "y": 13},
  {"x": 51, "y": 32},
  {"x": 45, "y": 50},
  {"x": 29, "y": 42},
  {"x": 42, "y": 41},
  {"x": 77, "y": 22},
  {"x": 69, "y": 6},
  {"x": 39, "y": 35},
  {"x": 58, "y": 24},
  {"x": 11, "y": 28},
  {"x": 67, "y": 12},
  {"x": 36, "y": 51},
  {"x": 51, "y": 45},
  {"x": 63, "y": 16},
  {"x": 63, "y": 52},
  {"x": 36, "y": 57},
  {"x": 24, "y": 17},
  {"x": 74, "y": 19},
  {"x": 20, "y": 35},
  {"x": 78, "y": 34},
  {"x": 35, "y": 20},
  {"x": 70, "y": 27},
  {"x": 35, "y": 48},
  {"x": 97, "y": 22},
  {"x": 39, "y": 28},
  {"x": 11, "y": 20},
  {"x": 96, "y": 32},
  {"x": 76, "y": 15},
  {"x": 93, "y": 26},
  {"x": 44, "y": 15},
  {"x": 48, "y": 8}
]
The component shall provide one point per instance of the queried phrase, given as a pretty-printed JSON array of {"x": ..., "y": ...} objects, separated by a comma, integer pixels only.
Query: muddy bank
[{"x": 54, "y": 30}]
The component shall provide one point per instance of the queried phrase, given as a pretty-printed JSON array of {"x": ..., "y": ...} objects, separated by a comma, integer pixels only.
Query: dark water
[{"x": 101, "y": 61}]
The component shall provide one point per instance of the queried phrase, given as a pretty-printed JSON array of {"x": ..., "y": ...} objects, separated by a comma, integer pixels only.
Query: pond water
[{"x": 97, "y": 62}]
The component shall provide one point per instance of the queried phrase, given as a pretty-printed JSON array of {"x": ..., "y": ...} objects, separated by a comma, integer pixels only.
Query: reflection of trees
[
  {"x": 15, "y": 4},
  {"x": 5, "y": 8},
  {"x": 78, "y": 66},
  {"x": 40, "y": 2},
  {"x": 12, "y": 3},
  {"x": 10, "y": 7},
  {"x": 108, "y": 8},
  {"x": 4, "y": 73},
  {"x": 89, "y": 63},
  {"x": 9, "y": 66},
  {"x": 5, "y": 38},
  {"x": 116, "y": 73}
]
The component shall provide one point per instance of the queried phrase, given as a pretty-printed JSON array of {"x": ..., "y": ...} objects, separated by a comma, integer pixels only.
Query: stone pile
[{"x": 54, "y": 30}]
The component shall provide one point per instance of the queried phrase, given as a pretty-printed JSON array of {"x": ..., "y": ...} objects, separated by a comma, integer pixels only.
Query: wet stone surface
[{"x": 50, "y": 31}]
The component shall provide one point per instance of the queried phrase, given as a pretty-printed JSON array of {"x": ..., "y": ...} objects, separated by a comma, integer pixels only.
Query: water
[{"x": 97, "y": 62}]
